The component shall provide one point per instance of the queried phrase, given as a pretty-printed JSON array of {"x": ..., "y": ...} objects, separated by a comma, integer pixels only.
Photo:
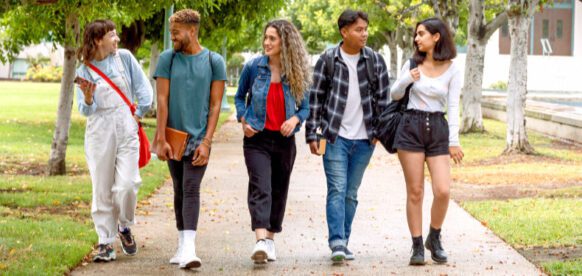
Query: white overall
[{"x": 112, "y": 152}]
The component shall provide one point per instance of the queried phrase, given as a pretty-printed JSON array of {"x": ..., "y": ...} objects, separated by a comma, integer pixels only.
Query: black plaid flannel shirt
[{"x": 327, "y": 96}]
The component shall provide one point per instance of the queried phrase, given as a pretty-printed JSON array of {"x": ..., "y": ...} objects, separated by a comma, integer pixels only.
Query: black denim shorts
[{"x": 422, "y": 131}]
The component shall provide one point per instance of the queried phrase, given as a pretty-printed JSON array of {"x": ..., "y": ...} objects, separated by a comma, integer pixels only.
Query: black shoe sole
[
  {"x": 436, "y": 260},
  {"x": 417, "y": 262}
]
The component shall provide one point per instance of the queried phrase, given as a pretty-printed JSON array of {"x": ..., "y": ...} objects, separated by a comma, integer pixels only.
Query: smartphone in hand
[{"x": 81, "y": 81}]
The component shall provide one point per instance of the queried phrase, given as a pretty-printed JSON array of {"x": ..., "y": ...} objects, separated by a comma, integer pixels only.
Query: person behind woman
[
  {"x": 271, "y": 103},
  {"x": 111, "y": 140},
  {"x": 424, "y": 134}
]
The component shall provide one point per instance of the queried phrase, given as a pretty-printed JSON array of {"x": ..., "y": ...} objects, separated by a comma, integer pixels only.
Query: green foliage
[
  {"x": 499, "y": 85},
  {"x": 44, "y": 73},
  {"x": 234, "y": 67},
  {"x": 50, "y": 20}
]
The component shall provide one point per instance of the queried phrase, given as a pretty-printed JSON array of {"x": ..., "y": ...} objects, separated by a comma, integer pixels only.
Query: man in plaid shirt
[{"x": 345, "y": 100}]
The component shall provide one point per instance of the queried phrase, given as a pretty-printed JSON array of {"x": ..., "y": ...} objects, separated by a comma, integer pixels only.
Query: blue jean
[{"x": 344, "y": 162}]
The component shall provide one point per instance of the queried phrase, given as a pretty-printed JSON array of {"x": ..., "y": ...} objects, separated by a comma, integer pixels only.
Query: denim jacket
[{"x": 255, "y": 80}]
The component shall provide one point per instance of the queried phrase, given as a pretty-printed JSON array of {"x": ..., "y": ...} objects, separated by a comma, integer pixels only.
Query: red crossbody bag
[{"x": 144, "y": 143}]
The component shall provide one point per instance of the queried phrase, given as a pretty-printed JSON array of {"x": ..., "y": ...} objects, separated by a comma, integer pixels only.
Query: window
[
  {"x": 504, "y": 30},
  {"x": 559, "y": 28},
  {"x": 545, "y": 28}
]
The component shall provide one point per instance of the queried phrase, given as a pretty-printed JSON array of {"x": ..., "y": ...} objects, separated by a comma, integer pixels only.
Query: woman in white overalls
[{"x": 111, "y": 139}]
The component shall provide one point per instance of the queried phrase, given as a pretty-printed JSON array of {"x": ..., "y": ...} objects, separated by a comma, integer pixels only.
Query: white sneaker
[
  {"x": 178, "y": 256},
  {"x": 260, "y": 252},
  {"x": 190, "y": 262},
  {"x": 189, "y": 258},
  {"x": 271, "y": 256}
]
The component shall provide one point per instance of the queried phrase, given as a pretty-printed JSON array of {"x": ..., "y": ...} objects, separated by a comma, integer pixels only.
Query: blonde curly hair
[{"x": 294, "y": 57}]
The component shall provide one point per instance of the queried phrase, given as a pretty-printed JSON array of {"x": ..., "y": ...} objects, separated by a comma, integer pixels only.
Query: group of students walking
[{"x": 340, "y": 101}]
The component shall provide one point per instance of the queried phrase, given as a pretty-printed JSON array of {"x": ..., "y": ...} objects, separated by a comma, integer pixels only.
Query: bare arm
[
  {"x": 216, "y": 93},
  {"x": 202, "y": 153},
  {"x": 163, "y": 91}
]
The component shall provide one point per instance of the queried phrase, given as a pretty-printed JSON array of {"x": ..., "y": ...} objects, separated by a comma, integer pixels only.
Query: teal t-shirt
[{"x": 190, "y": 80}]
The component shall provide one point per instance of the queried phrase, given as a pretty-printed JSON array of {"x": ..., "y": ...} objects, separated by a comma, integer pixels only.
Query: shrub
[
  {"x": 44, "y": 73},
  {"x": 499, "y": 85}
]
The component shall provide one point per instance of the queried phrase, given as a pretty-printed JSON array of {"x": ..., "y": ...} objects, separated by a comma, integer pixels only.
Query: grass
[
  {"x": 532, "y": 221},
  {"x": 45, "y": 222},
  {"x": 484, "y": 165},
  {"x": 50, "y": 245},
  {"x": 553, "y": 218},
  {"x": 564, "y": 268}
]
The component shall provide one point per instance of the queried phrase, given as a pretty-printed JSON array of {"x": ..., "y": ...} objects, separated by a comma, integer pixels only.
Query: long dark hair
[
  {"x": 93, "y": 31},
  {"x": 444, "y": 49}
]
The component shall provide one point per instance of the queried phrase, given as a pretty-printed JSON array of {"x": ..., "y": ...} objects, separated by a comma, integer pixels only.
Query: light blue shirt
[{"x": 139, "y": 84}]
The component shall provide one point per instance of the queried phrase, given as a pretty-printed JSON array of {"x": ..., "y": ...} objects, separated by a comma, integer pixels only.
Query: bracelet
[
  {"x": 205, "y": 143},
  {"x": 207, "y": 140}
]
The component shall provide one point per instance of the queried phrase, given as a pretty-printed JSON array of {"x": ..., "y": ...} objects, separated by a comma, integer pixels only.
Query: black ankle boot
[
  {"x": 433, "y": 243},
  {"x": 417, "y": 257}
]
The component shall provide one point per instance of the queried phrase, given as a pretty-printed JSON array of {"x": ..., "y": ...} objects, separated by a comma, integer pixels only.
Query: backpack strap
[
  {"x": 406, "y": 98},
  {"x": 211, "y": 66},
  {"x": 371, "y": 73},
  {"x": 329, "y": 56}
]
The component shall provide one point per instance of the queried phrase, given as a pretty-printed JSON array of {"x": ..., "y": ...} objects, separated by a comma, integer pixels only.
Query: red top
[{"x": 275, "y": 107}]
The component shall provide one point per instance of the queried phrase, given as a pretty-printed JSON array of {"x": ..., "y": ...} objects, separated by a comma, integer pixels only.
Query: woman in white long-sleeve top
[
  {"x": 111, "y": 135},
  {"x": 424, "y": 135}
]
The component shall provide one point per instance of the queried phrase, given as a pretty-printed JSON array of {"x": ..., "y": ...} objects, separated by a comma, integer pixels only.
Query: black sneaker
[
  {"x": 417, "y": 257},
  {"x": 338, "y": 254},
  {"x": 106, "y": 253},
  {"x": 128, "y": 244},
  {"x": 433, "y": 243}
]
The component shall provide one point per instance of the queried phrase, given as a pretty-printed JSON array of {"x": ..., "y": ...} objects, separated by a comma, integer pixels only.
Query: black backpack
[{"x": 390, "y": 118}]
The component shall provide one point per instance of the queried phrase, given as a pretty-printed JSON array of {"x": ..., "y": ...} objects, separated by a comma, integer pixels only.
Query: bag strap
[
  {"x": 108, "y": 80},
  {"x": 329, "y": 65},
  {"x": 370, "y": 63},
  {"x": 406, "y": 98}
]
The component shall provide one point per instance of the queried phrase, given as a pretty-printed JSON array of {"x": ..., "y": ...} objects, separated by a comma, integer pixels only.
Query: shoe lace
[
  {"x": 103, "y": 248},
  {"x": 127, "y": 237},
  {"x": 436, "y": 242},
  {"x": 416, "y": 248}
]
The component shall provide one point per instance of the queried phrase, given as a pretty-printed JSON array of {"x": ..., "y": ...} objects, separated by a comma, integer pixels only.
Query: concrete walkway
[{"x": 380, "y": 237}]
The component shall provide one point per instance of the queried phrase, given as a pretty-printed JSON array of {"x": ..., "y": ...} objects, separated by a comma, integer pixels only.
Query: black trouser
[
  {"x": 269, "y": 157},
  {"x": 187, "y": 179}
]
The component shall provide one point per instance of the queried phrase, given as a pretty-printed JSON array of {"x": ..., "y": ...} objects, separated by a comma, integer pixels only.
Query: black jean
[
  {"x": 187, "y": 179},
  {"x": 269, "y": 157}
]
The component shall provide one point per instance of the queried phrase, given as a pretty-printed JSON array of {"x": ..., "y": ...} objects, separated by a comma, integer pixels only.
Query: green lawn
[
  {"x": 551, "y": 219},
  {"x": 45, "y": 222}
]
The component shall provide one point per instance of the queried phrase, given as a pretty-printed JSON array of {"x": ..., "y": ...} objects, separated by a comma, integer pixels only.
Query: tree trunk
[
  {"x": 406, "y": 54},
  {"x": 479, "y": 34},
  {"x": 517, "y": 141},
  {"x": 472, "y": 117},
  {"x": 393, "y": 60},
  {"x": 154, "y": 57},
  {"x": 56, "y": 163}
]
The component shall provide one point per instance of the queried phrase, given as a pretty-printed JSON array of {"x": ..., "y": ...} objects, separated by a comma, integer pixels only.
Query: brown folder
[{"x": 178, "y": 141}]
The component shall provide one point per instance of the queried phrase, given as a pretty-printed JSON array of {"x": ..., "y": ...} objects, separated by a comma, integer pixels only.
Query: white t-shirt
[
  {"x": 352, "y": 126},
  {"x": 433, "y": 94}
]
